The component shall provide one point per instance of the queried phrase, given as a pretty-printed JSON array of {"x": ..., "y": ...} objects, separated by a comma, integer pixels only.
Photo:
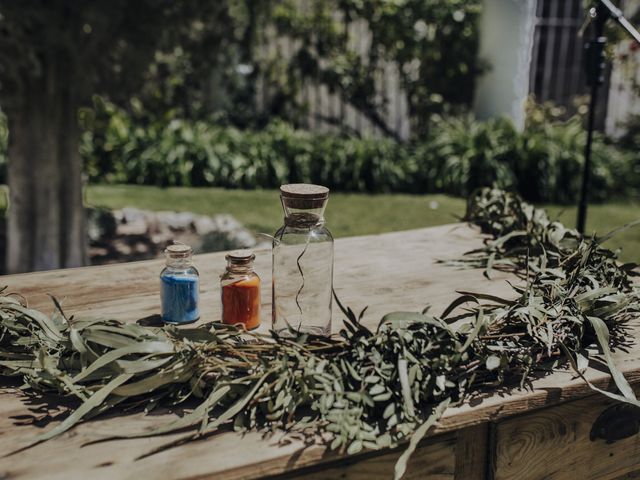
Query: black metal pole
[
  {"x": 595, "y": 69},
  {"x": 595, "y": 62}
]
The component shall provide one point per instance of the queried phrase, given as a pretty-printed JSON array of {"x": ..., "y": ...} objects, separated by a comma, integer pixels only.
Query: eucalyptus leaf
[{"x": 492, "y": 362}]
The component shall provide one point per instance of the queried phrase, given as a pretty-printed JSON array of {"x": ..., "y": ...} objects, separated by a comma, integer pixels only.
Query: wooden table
[{"x": 542, "y": 432}]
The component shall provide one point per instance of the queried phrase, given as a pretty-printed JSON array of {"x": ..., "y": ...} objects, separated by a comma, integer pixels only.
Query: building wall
[
  {"x": 506, "y": 34},
  {"x": 624, "y": 91}
]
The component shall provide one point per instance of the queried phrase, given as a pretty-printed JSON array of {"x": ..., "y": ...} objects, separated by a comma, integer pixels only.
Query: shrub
[
  {"x": 468, "y": 154},
  {"x": 460, "y": 154}
]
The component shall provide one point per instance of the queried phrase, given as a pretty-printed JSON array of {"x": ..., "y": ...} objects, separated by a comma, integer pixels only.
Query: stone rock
[
  {"x": 135, "y": 234},
  {"x": 132, "y": 221},
  {"x": 225, "y": 233},
  {"x": 101, "y": 223},
  {"x": 175, "y": 221},
  {"x": 202, "y": 225}
]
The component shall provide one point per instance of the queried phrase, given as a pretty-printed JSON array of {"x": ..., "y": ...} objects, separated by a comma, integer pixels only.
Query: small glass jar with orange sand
[{"x": 240, "y": 287}]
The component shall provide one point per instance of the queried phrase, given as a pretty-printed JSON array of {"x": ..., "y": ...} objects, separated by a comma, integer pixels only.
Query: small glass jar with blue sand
[{"x": 179, "y": 286}]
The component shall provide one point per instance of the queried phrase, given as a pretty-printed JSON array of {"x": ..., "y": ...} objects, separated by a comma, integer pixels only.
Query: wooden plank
[
  {"x": 471, "y": 452},
  {"x": 629, "y": 476},
  {"x": 395, "y": 271},
  {"x": 432, "y": 460},
  {"x": 554, "y": 443}
]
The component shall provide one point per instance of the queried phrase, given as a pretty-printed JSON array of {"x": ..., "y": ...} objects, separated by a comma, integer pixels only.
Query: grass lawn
[
  {"x": 260, "y": 211},
  {"x": 350, "y": 214}
]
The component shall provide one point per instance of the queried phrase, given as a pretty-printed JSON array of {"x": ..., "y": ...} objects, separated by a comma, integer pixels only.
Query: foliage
[
  {"x": 198, "y": 153},
  {"x": 209, "y": 69},
  {"x": 525, "y": 239},
  {"x": 554, "y": 151},
  {"x": 231, "y": 62},
  {"x": 101, "y": 48},
  {"x": 470, "y": 154},
  {"x": 459, "y": 155},
  {"x": 630, "y": 141},
  {"x": 365, "y": 389},
  {"x": 573, "y": 284},
  {"x": 433, "y": 46}
]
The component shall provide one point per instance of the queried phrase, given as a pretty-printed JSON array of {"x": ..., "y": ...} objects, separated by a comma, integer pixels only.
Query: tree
[
  {"x": 433, "y": 44},
  {"x": 54, "y": 54}
]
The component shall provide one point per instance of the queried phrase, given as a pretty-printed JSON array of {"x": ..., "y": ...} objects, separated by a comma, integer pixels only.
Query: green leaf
[
  {"x": 403, "y": 376},
  {"x": 493, "y": 362},
  {"x": 113, "y": 355},
  {"x": 355, "y": 447},
  {"x": 90, "y": 404},
  {"x": 401, "y": 465},
  {"x": 602, "y": 333},
  {"x": 401, "y": 320},
  {"x": 477, "y": 328}
]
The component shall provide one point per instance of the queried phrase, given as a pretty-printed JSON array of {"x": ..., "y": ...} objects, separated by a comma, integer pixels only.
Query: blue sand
[{"x": 179, "y": 295}]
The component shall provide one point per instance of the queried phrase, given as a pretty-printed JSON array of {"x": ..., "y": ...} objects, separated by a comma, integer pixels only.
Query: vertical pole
[{"x": 595, "y": 70}]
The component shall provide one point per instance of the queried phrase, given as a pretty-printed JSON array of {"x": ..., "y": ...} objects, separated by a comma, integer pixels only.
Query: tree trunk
[{"x": 46, "y": 221}]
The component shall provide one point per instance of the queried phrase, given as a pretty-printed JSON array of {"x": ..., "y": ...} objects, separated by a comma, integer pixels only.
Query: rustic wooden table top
[{"x": 395, "y": 271}]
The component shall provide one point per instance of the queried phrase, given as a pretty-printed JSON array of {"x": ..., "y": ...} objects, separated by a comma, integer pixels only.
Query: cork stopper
[
  {"x": 243, "y": 256},
  {"x": 304, "y": 195},
  {"x": 178, "y": 250}
]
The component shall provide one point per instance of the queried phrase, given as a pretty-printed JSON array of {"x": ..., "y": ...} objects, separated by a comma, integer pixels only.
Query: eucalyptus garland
[{"x": 364, "y": 389}]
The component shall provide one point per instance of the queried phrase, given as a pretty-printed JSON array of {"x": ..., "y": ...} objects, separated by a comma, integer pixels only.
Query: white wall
[
  {"x": 506, "y": 41},
  {"x": 624, "y": 100}
]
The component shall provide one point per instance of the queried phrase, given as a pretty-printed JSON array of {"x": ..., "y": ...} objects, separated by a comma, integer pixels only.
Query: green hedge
[
  {"x": 460, "y": 154},
  {"x": 544, "y": 163}
]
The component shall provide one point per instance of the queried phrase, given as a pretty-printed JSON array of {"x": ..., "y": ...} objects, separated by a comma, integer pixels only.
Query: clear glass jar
[
  {"x": 303, "y": 263},
  {"x": 179, "y": 286},
  {"x": 240, "y": 290}
]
